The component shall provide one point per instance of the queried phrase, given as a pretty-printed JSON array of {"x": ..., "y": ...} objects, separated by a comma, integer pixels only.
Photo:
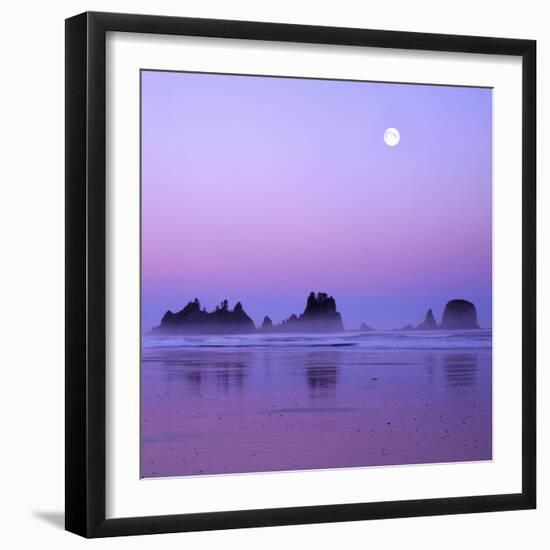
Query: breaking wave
[{"x": 467, "y": 339}]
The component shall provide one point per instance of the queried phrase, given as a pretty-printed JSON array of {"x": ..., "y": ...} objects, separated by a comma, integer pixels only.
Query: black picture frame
[{"x": 86, "y": 269}]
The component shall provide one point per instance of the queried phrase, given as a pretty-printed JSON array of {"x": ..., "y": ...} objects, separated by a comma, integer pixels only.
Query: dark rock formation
[
  {"x": 459, "y": 315},
  {"x": 288, "y": 325},
  {"x": 407, "y": 327},
  {"x": 320, "y": 315},
  {"x": 267, "y": 324},
  {"x": 428, "y": 323},
  {"x": 365, "y": 328},
  {"x": 192, "y": 319}
]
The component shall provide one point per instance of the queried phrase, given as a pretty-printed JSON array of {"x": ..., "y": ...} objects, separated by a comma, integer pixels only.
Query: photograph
[{"x": 316, "y": 273}]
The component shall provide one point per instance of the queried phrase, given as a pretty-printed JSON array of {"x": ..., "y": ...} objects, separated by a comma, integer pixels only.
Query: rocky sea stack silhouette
[
  {"x": 194, "y": 320},
  {"x": 320, "y": 315},
  {"x": 267, "y": 324},
  {"x": 459, "y": 315},
  {"x": 428, "y": 323}
]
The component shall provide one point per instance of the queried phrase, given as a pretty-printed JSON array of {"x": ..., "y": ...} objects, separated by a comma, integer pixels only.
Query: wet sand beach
[{"x": 218, "y": 405}]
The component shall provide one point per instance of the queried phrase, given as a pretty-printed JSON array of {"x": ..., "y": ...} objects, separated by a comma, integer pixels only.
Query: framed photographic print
[{"x": 300, "y": 274}]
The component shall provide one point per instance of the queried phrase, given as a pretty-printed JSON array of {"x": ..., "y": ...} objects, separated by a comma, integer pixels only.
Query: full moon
[{"x": 392, "y": 137}]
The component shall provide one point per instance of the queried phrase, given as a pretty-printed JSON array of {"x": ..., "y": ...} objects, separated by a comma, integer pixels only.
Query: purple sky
[{"x": 262, "y": 189}]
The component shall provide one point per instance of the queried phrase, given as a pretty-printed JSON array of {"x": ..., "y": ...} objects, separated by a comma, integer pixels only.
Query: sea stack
[
  {"x": 320, "y": 315},
  {"x": 194, "y": 320},
  {"x": 365, "y": 328},
  {"x": 459, "y": 315},
  {"x": 267, "y": 324},
  {"x": 428, "y": 323}
]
